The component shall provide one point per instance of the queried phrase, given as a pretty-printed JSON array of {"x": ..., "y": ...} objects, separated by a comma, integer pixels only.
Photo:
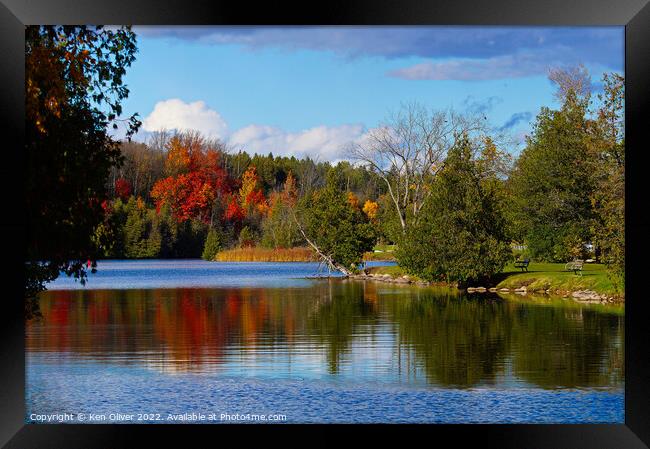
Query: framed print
[{"x": 382, "y": 218}]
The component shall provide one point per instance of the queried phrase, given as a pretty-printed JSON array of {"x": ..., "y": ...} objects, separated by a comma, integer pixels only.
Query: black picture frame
[{"x": 633, "y": 14}]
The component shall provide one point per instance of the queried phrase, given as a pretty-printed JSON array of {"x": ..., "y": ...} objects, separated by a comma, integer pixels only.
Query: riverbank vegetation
[{"x": 443, "y": 190}]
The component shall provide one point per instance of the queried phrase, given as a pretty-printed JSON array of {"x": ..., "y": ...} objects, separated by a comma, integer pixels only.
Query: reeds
[
  {"x": 258, "y": 254},
  {"x": 296, "y": 254}
]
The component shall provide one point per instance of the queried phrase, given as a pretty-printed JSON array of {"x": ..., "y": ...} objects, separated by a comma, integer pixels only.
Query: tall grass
[{"x": 257, "y": 254}]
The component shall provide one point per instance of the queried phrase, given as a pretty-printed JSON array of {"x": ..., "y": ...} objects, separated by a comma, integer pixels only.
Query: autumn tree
[
  {"x": 371, "y": 209},
  {"x": 123, "y": 188},
  {"x": 74, "y": 91},
  {"x": 251, "y": 195},
  {"x": 196, "y": 181},
  {"x": 143, "y": 166}
]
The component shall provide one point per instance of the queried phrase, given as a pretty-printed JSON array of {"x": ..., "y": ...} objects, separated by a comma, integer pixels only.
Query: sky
[{"x": 310, "y": 91}]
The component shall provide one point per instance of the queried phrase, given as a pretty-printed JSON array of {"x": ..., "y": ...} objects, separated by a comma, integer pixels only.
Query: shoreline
[{"x": 584, "y": 296}]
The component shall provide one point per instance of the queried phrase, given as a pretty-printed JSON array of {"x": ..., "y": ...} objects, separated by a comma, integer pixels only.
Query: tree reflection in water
[{"x": 345, "y": 329}]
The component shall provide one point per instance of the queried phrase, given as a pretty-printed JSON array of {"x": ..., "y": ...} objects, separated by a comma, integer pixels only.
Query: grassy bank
[
  {"x": 540, "y": 277},
  {"x": 552, "y": 276},
  {"x": 257, "y": 254}
]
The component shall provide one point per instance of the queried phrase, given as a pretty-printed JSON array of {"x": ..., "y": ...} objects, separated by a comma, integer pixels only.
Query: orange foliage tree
[
  {"x": 251, "y": 196},
  {"x": 196, "y": 180}
]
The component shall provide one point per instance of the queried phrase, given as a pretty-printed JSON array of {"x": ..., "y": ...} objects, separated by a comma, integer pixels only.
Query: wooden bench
[
  {"x": 575, "y": 266},
  {"x": 522, "y": 264}
]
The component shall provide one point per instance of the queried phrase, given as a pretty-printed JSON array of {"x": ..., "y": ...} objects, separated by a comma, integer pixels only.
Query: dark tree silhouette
[{"x": 74, "y": 89}]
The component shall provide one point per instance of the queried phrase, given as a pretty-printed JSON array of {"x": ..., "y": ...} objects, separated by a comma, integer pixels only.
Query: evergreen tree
[
  {"x": 212, "y": 245},
  {"x": 552, "y": 181},
  {"x": 460, "y": 235}
]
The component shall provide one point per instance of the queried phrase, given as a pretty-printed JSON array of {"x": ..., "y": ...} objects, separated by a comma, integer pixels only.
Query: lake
[{"x": 171, "y": 341}]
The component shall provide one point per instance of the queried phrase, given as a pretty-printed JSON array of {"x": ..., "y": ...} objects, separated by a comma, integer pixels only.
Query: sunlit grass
[{"x": 553, "y": 276}]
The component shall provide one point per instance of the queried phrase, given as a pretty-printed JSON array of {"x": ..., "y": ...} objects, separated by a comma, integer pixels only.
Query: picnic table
[
  {"x": 522, "y": 264},
  {"x": 575, "y": 265}
]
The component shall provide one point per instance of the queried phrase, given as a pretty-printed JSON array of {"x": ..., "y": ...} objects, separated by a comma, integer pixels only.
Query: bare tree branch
[{"x": 408, "y": 150}]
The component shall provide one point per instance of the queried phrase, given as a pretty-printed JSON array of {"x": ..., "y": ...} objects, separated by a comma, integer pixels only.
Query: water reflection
[{"x": 344, "y": 331}]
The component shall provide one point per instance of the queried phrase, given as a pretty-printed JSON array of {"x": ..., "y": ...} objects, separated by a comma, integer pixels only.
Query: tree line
[{"x": 191, "y": 197}]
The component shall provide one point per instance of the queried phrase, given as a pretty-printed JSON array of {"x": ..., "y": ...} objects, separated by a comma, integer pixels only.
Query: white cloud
[
  {"x": 176, "y": 114},
  {"x": 322, "y": 142}
]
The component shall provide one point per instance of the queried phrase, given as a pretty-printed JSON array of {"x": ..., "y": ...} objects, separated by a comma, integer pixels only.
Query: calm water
[{"x": 260, "y": 339}]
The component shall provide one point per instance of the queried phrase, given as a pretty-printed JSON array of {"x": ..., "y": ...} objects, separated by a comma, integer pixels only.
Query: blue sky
[{"x": 312, "y": 90}]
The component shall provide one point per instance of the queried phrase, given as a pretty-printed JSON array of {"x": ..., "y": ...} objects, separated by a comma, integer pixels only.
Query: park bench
[
  {"x": 522, "y": 264},
  {"x": 575, "y": 266}
]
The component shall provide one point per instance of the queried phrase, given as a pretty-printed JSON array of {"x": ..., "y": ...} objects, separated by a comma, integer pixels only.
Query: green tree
[
  {"x": 552, "y": 182},
  {"x": 460, "y": 235},
  {"x": 213, "y": 243},
  {"x": 279, "y": 229},
  {"x": 141, "y": 235},
  {"x": 337, "y": 229},
  {"x": 608, "y": 199},
  {"x": 74, "y": 90}
]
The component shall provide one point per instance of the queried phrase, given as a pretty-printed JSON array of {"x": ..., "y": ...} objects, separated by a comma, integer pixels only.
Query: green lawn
[
  {"x": 394, "y": 270},
  {"x": 553, "y": 276}
]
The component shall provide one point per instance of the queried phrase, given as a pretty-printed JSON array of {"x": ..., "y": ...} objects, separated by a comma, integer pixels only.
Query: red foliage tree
[
  {"x": 196, "y": 179},
  {"x": 234, "y": 211},
  {"x": 123, "y": 188}
]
